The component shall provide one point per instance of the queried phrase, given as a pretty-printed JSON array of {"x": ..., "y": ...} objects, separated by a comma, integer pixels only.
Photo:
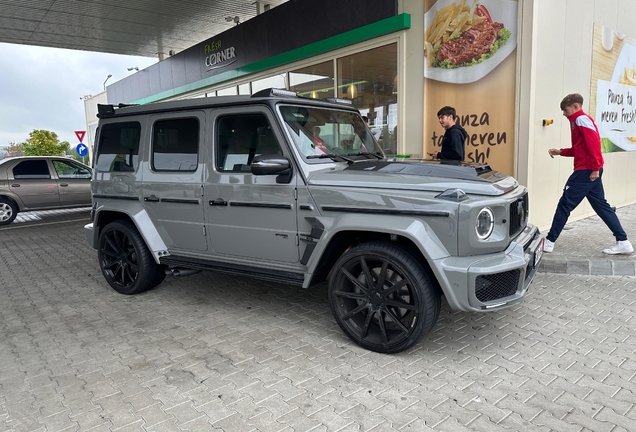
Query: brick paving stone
[{"x": 212, "y": 352}]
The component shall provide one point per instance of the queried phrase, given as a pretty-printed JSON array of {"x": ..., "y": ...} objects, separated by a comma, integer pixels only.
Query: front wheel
[
  {"x": 125, "y": 260},
  {"x": 8, "y": 211},
  {"x": 382, "y": 298}
]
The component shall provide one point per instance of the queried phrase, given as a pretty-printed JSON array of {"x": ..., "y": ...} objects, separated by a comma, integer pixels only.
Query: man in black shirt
[{"x": 454, "y": 137}]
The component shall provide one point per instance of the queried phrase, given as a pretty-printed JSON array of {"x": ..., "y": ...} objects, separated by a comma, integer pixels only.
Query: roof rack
[
  {"x": 108, "y": 110},
  {"x": 275, "y": 92},
  {"x": 339, "y": 100}
]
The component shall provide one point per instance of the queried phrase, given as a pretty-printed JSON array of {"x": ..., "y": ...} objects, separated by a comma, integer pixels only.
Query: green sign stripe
[{"x": 370, "y": 31}]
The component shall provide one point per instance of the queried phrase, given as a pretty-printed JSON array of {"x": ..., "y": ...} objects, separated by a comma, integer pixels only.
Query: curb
[{"x": 588, "y": 267}]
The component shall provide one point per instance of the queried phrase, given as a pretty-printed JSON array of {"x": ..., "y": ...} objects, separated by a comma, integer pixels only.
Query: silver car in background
[{"x": 42, "y": 183}]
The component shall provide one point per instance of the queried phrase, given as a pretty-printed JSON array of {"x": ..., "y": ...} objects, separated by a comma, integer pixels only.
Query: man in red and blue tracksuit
[{"x": 585, "y": 181}]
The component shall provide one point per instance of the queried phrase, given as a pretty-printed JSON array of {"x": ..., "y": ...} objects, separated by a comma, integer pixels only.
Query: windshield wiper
[
  {"x": 377, "y": 156},
  {"x": 331, "y": 156}
]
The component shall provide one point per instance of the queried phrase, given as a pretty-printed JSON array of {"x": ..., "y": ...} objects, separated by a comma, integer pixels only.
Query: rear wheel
[
  {"x": 125, "y": 260},
  {"x": 8, "y": 211},
  {"x": 382, "y": 298}
]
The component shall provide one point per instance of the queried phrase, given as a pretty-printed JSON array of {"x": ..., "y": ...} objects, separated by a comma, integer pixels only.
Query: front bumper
[{"x": 494, "y": 281}]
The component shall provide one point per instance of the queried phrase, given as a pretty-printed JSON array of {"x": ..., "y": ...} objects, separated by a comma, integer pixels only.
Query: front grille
[
  {"x": 496, "y": 286},
  {"x": 518, "y": 215}
]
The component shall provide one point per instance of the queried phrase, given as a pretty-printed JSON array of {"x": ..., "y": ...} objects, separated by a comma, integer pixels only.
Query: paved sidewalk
[
  {"x": 213, "y": 352},
  {"x": 579, "y": 249}
]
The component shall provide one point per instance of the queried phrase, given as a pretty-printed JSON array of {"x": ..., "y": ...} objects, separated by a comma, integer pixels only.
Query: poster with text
[
  {"x": 613, "y": 92},
  {"x": 470, "y": 64}
]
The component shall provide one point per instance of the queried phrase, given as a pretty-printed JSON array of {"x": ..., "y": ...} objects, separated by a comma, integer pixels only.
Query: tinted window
[
  {"x": 32, "y": 169},
  {"x": 118, "y": 148},
  {"x": 240, "y": 138},
  {"x": 175, "y": 145},
  {"x": 69, "y": 170}
]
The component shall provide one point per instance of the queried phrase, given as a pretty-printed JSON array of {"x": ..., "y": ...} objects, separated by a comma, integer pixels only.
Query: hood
[
  {"x": 414, "y": 174},
  {"x": 460, "y": 129}
]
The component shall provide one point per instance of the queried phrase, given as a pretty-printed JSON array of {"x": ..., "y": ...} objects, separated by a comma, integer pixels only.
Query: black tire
[
  {"x": 382, "y": 297},
  {"x": 160, "y": 275},
  {"x": 125, "y": 260},
  {"x": 8, "y": 211}
]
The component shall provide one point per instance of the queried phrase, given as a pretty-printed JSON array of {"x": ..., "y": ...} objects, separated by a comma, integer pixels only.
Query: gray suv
[{"x": 297, "y": 191}]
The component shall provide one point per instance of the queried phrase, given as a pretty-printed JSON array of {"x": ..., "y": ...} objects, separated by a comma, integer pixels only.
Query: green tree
[
  {"x": 44, "y": 143},
  {"x": 13, "y": 150}
]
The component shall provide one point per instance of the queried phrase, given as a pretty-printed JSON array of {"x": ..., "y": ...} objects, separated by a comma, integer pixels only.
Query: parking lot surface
[{"x": 215, "y": 352}]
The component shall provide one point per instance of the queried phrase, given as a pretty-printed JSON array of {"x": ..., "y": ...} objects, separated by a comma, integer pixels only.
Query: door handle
[
  {"x": 218, "y": 202},
  {"x": 63, "y": 184},
  {"x": 151, "y": 198},
  {"x": 15, "y": 185}
]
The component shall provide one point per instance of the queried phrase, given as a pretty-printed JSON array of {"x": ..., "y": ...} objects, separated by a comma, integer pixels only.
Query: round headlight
[{"x": 485, "y": 223}]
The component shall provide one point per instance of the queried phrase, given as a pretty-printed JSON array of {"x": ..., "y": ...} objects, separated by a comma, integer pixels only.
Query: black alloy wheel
[
  {"x": 125, "y": 260},
  {"x": 8, "y": 211},
  {"x": 382, "y": 297}
]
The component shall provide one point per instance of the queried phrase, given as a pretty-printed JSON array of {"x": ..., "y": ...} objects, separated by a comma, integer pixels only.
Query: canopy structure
[{"x": 150, "y": 28}]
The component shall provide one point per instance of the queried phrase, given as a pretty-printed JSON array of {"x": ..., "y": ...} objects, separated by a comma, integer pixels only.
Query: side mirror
[
  {"x": 272, "y": 164},
  {"x": 269, "y": 164}
]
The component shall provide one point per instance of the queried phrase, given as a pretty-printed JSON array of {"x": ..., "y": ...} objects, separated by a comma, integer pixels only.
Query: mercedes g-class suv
[{"x": 297, "y": 191}]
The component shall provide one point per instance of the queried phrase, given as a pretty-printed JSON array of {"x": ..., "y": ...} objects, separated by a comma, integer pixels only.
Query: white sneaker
[
  {"x": 548, "y": 246},
  {"x": 621, "y": 247}
]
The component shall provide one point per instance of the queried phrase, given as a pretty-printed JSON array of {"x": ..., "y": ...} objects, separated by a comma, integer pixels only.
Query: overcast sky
[{"x": 41, "y": 88}]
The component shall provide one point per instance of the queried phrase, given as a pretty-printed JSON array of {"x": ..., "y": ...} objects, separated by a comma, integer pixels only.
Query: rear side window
[
  {"x": 70, "y": 170},
  {"x": 175, "y": 145},
  {"x": 240, "y": 138},
  {"x": 32, "y": 169},
  {"x": 118, "y": 148}
]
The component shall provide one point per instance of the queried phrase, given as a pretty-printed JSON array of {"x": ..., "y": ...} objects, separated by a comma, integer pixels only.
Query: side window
[
  {"x": 118, "y": 147},
  {"x": 32, "y": 169},
  {"x": 240, "y": 138},
  {"x": 68, "y": 170},
  {"x": 175, "y": 145}
]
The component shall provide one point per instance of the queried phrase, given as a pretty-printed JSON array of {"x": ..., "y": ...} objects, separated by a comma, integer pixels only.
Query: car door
[
  {"x": 74, "y": 183},
  {"x": 173, "y": 181},
  {"x": 33, "y": 184},
  {"x": 247, "y": 215}
]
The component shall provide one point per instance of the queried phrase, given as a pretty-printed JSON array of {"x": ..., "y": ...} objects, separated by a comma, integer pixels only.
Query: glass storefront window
[
  {"x": 368, "y": 79},
  {"x": 244, "y": 89},
  {"x": 230, "y": 91},
  {"x": 315, "y": 81},
  {"x": 276, "y": 81}
]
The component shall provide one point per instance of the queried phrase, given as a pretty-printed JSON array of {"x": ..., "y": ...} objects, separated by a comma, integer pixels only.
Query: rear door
[
  {"x": 249, "y": 216},
  {"x": 74, "y": 183},
  {"x": 33, "y": 184},
  {"x": 173, "y": 181}
]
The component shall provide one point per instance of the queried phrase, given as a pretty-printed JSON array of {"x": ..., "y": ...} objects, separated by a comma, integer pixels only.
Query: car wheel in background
[
  {"x": 125, "y": 260},
  {"x": 382, "y": 297},
  {"x": 8, "y": 211}
]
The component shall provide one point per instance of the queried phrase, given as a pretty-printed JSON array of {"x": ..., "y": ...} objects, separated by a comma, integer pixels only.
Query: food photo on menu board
[
  {"x": 464, "y": 40},
  {"x": 469, "y": 56},
  {"x": 614, "y": 76}
]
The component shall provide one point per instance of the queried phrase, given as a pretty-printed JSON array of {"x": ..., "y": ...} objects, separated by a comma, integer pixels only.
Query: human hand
[
  {"x": 594, "y": 175},
  {"x": 433, "y": 155},
  {"x": 554, "y": 151}
]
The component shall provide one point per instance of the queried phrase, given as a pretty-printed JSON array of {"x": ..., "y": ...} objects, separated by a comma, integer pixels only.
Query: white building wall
[
  {"x": 556, "y": 59},
  {"x": 90, "y": 110}
]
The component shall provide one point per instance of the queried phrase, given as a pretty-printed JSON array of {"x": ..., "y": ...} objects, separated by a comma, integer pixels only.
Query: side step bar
[{"x": 183, "y": 263}]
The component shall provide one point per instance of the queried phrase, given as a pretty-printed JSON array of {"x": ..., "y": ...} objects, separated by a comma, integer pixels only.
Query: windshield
[{"x": 319, "y": 133}]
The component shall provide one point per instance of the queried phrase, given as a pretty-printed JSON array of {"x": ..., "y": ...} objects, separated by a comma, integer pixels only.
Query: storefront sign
[
  {"x": 470, "y": 64},
  {"x": 614, "y": 89},
  {"x": 216, "y": 57}
]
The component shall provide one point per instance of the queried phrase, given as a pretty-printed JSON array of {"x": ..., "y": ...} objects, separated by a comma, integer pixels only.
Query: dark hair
[
  {"x": 571, "y": 99},
  {"x": 446, "y": 111},
  {"x": 366, "y": 119}
]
